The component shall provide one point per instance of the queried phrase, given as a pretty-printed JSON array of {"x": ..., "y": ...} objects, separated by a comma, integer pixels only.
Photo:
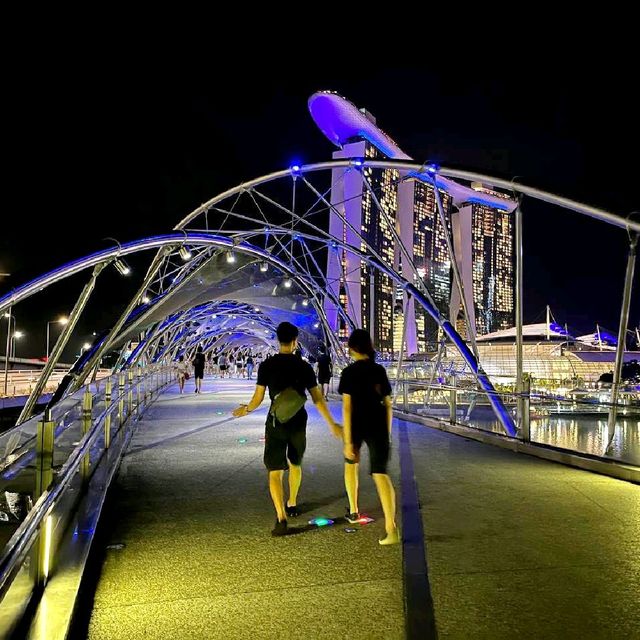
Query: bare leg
[
  {"x": 351, "y": 485},
  {"x": 387, "y": 496},
  {"x": 277, "y": 493},
  {"x": 295, "y": 478}
]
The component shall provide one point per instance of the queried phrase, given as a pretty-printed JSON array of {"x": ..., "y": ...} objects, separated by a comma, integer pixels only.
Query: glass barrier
[{"x": 571, "y": 419}]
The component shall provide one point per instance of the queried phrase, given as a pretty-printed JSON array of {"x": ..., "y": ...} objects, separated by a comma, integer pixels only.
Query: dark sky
[{"x": 126, "y": 148}]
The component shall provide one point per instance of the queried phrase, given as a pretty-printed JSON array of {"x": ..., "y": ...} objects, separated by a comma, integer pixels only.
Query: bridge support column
[{"x": 622, "y": 338}]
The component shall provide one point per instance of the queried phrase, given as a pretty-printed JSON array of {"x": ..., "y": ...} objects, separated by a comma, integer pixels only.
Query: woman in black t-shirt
[
  {"x": 367, "y": 415},
  {"x": 198, "y": 369}
]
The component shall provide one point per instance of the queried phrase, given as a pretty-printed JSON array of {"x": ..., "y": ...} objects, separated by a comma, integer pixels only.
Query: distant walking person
[
  {"x": 182, "y": 372},
  {"x": 222, "y": 364},
  {"x": 367, "y": 416},
  {"x": 325, "y": 371},
  {"x": 286, "y": 376},
  {"x": 249, "y": 366},
  {"x": 198, "y": 369}
]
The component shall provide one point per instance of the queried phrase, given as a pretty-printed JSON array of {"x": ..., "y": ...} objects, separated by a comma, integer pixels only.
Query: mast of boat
[
  {"x": 548, "y": 322},
  {"x": 599, "y": 336},
  {"x": 638, "y": 337}
]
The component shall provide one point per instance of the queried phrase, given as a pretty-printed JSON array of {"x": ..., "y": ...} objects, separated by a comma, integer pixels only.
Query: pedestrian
[
  {"x": 325, "y": 371},
  {"x": 286, "y": 377},
  {"x": 367, "y": 415},
  {"x": 239, "y": 365},
  {"x": 250, "y": 364},
  {"x": 222, "y": 364},
  {"x": 198, "y": 369},
  {"x": 182, "y": 372}
]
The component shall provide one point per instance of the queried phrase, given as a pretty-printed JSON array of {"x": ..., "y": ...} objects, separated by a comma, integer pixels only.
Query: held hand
[
  {"x": 241, "y": 411},
  {"x": 348, "y": 451},
  {"x": 336, "y": 430}
]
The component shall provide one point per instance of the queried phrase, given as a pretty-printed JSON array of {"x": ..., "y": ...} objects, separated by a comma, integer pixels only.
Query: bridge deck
[{"x": 516, "y": 547}]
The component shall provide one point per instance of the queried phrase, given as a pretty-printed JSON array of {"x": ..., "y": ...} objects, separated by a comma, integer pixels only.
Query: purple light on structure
[{"x": 341, "y": 121}]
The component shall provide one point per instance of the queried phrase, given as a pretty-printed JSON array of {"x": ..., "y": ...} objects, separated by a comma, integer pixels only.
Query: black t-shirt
[
  {"x": 287, "y": 370},
  {"x": 324, "y": 366},
  {"x": 367, "y": 384},
  {"x": 198, "y": 361}
]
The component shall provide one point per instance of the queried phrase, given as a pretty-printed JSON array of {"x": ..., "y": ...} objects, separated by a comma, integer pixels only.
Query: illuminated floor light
[
  {"x": 242, "y": 440},
  {"x": 219, "y": 413},
  {"x": 321, "y": 522}
]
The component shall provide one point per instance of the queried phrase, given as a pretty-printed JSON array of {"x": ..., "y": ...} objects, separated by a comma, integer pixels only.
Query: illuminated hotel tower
[{"x": 478, "y": 219}]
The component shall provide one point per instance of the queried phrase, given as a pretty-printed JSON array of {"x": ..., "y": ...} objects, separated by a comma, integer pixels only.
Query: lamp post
[
  {"x": 8, "y": 315},
  {"x": 62, "y": 321}
]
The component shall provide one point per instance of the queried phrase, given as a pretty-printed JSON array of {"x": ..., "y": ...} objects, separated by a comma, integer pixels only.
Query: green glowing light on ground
[
  {"x": 242, "y": 440},
  {"x": 321, "y": 522}
]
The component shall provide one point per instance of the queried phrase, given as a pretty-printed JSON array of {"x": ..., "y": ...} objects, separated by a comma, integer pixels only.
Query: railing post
[
  {"x": 87, "y": 409},
  {"x": 405, "y": 393},
  {"x": 44, "y": 454},
  {"x": 453, "y": 400},
  {"x": 121, "y": 399},
  {"x": 139, "y": 392},
  {"x": 130, "y": 392},
  {"x": 526, "y": 407},
  {"x": 44, "y": 477},
  {"x": 107, "y": 419}
]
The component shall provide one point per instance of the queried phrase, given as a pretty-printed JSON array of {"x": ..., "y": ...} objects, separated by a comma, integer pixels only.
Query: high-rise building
[{"x": 369, "y": 204}]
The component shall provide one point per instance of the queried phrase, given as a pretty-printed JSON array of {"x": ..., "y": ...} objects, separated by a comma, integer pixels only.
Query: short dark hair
[
  {"x": 199, "y": 349},
  {"x": 286, "y": 333}
]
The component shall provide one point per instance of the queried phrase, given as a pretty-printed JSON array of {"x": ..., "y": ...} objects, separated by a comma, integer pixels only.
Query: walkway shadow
[{"x": 178, "y": 436}]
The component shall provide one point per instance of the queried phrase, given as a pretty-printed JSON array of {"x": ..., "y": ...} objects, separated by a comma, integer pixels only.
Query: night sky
[{"x": 127, "y": 149}]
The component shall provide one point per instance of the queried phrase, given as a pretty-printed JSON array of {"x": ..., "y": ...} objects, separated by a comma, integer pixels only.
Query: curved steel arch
[{"x": 426, "y": 172}]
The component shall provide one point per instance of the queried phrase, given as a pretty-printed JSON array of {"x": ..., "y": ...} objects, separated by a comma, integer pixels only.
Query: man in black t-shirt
[{"x": 285, "y": 442}]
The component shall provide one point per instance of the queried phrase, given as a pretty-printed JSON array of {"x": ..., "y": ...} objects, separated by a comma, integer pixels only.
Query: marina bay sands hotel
[{"x": 479, "y": 218}]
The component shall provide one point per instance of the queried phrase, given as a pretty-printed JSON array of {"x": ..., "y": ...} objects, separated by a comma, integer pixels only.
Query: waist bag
[{"x": 286, "y": 404}]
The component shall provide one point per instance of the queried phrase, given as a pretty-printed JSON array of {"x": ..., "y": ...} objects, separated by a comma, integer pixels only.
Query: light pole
[
  {"x": 8, "y": 315},
  {"x": 62, "y": 321}
]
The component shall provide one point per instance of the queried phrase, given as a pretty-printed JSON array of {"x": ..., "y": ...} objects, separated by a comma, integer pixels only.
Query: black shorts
[
  {"x": 324, "y": 379},
  {"x": 198, "y": 373},
  {"x": 379, "y": 450},
  {"x": 284, "y": 444}
]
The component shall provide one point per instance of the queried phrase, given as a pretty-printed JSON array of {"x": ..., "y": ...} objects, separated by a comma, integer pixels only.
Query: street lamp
[
  {"x": 62, "y": 321},
  {"x": 16, "y": 336},
  {"x": 85, "y": 346}
]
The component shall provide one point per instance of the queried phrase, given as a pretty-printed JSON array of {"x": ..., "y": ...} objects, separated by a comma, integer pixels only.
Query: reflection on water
[{"x": 582, "y": 433}]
